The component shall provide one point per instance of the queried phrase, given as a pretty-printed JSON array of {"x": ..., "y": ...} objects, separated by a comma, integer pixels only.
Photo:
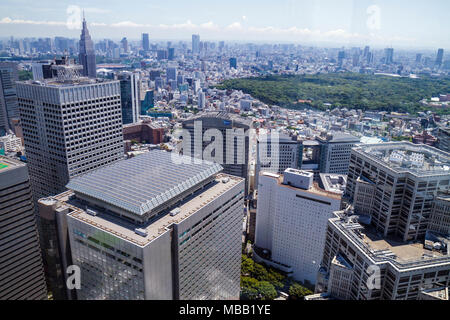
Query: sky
[{"x": 396, "y": 23}]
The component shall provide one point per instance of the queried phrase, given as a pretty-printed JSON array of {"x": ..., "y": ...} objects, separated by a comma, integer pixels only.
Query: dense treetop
[{"x": 349, "y": 90}]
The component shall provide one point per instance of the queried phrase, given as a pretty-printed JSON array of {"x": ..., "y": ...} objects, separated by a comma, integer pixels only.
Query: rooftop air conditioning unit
[
  {"x": 141, "y": 232},
  {"x": 91, "y": 212},
  {"x": 174, "y": 212}
]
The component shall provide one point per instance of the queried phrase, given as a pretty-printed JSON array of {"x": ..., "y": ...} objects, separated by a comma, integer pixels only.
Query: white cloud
[
  {"x": 235, "y": 26},
  {"x": 236, "y": 30},
  {"x": 8, "y": 20}
]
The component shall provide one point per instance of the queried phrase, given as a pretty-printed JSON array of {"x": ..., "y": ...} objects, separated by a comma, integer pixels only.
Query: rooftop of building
[
  {"x": 333, "y": 182},
  {"x": 154, "y": 228},
  {"x": 145, "y": 182},
  {"x": 440, "y": 293},
  {"x": 338, "y": 137},
  {"x": 222, "y": 115},
  {"x": 282, "y": 138},
  {"x": 418, "y": 159},
  {"x": 315, "y": 188},
  {"x": 68, "y": 82},
  {"x": 391, "y": 248},
  {"x": 7, "y": 164}
]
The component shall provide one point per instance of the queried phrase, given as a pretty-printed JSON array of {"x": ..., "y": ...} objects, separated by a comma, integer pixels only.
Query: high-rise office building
[
  {"x": 8, "y": 96},
  {"x": 201, "y": 100},
  {"x": 195, "y": 44},
  {"x": 389, "y": 55},
  {"x": 341, "y": 57},
  {"x": 443, "y": 136},
  {"x": 21, "y": 268},
  {"x": 277, "y": 155},
  {"x": 130, "y": 96},
  {"x": 395, "y": 184},
  {"x": 145, "y": 42},
  {"x": 439, "y": 57},
  {"x": 291, "y": 218},
  {"x": 235, "y": 142},
  {"x": 418, "y": 58},
  {"x": 233, "y": 63},
  {"x": 361, "y": 264},
  {"x": 335, "y": 150},
  {"x": 170, "y": 54},
  {"x": 87, "y": 53},
  {"x": 366, "y": 51},
  {"x": 71, "y": 125},
  {"x": 171, "y": 73},
  {"x": 152, "y": 227},
  {"x": 162, "y": 54},
  {"x": 124, "y": 43}
]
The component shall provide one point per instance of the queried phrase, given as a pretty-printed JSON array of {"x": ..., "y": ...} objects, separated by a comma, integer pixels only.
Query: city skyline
[{"x": 377, "y": 23}]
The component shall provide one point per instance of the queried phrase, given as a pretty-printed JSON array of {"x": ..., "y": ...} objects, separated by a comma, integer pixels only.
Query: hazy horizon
[{"x": 377, "y": 23}]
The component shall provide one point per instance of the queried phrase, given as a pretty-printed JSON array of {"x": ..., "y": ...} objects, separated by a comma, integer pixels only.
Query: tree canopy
[{"x": 349, "y": 90}]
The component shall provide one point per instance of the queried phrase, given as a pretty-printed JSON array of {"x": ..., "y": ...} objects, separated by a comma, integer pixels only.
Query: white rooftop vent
[
  {"x": 141, "y": 232},
  {"x": 225, "y": 180},
  {"x": 174, "y": 212},
  {"x": 91, "y": 212}
]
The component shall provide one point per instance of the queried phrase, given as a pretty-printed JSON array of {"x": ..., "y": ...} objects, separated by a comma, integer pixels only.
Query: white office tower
[
  {"x": 201, "y": 100},
  {"x": 71, "y": 125},
  {"x": 291, "y": 222},
  {"x": 21, "y": 268},
  {"x": 153, "y": 227}
]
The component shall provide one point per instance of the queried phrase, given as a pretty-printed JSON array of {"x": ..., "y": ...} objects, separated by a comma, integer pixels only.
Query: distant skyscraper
[
  {"x": 171, "y": 53},
  {"x": 171, "y": 73},
  {"x": 195, "y": 44},
  {"x": 21, "y": 268},
  {"x": 233, "y": 63},
  {"x": 201, "y": 100},
  {"x": 70, "y": 127},
  {"x": 439, "y": 57},
  {"x": 418, "y": 58},
  {"x": 162, "y": 54},
  {"x": 8, "y": 96},
  {"x": 145, "y": 42},
  {"x": 87, "y": 53},
  {"x": 130, "y": 96},
  {"x": 124, "y": 43},
  {"x": 341, "y": 57},
  {"x": 153, "y": 227},
  {"x": 366, "y": 51},
  {"x": 389, "y": 55}
]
